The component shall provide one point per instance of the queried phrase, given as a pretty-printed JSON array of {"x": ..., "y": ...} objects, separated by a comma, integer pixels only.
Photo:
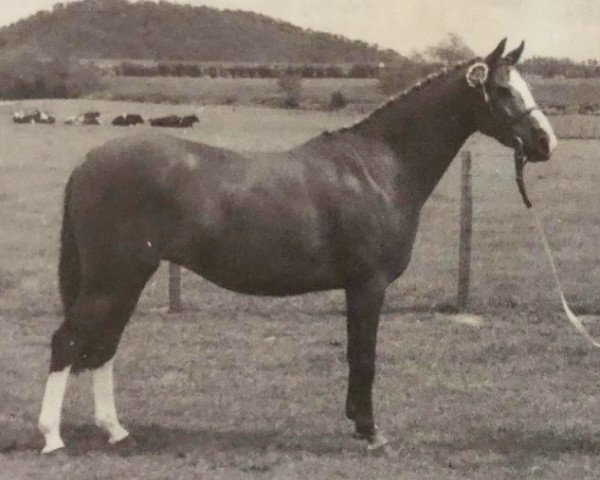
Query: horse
[{"x": 338, "y": 212}]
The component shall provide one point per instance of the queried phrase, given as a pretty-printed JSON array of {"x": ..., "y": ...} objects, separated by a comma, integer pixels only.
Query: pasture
[
  {"x": 244, "y": 91},
  {"x": 247, "y": 387},
  {"x": 570, "y": 91},
  {"x": 316, "y": 93}
]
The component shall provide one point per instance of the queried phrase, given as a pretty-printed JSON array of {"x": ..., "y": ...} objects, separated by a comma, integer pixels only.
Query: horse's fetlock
[
  {"x": 100, "y": 422},
  {"x": 44, "y": 428}
]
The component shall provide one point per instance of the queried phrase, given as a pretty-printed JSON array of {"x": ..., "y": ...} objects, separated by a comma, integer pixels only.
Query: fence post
[
  {"x": 175, "y": 305},
  {"x": 466, "y": 223}
]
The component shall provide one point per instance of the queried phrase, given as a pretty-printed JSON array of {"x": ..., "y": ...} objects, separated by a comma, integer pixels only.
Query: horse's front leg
[{"x": 363, "y": 305}]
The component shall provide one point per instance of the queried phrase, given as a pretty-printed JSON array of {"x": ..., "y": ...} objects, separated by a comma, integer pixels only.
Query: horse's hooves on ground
[
  {"x": 125, "y": 447},
  {"x": 54, "y": 453},
  {"x": 378, "y": 445}
]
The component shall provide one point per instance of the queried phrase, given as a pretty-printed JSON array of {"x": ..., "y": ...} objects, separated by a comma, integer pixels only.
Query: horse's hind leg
[
  {"x": 69, "y": 348},
  {"x": 88, "y": 340},
  {"x": 103, "y": 384},
  {"x": 49, "y": 422},
  {"x": 104, "y": 403}
]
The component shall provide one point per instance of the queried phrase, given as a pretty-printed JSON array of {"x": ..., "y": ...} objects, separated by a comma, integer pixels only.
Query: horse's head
[{"x": 506, "y": 108}]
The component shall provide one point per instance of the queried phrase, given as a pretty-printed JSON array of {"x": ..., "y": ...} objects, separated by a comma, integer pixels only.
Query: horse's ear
[
  {"x": 513, "y": 57},
  {"x": 493, "y": 58},
  {"x": 477, "y": 74}
]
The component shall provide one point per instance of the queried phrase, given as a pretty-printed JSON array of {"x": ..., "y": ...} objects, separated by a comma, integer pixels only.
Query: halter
[
  {"x": 520, "y": 161},
  {"x": 522, "y": 115}
]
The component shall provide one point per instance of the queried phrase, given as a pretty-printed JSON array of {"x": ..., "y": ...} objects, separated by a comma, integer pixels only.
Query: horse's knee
[
  {"x": 91, "y": 333},
  {"x": 99, "y": 350},
  {"x": 66, "y": 346},
  {"x": 83, "y": 349}
]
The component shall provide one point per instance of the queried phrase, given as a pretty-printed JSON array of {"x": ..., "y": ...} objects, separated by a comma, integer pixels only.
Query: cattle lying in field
[
  {"x": 174, "y": 121},
  {"x": 37, "y": 117},
  {"x": 88, "y": 118},
  {"x": 127, "y": 120}
]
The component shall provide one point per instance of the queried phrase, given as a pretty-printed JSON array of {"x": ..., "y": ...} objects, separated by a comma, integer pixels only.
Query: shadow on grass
[
  {"x": 441, "y": 307},
  {"x": 179, "y": 441},
  {"x": 522, "y": 445}
]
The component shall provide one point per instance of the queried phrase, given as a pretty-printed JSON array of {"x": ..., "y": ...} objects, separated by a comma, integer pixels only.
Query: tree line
[{"x": 549, "y": 67}]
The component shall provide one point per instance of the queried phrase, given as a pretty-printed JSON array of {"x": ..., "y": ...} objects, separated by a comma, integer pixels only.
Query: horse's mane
[{"x": 428, "y": 80}]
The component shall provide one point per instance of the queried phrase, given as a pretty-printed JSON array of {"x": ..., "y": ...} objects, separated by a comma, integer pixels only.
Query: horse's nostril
[{"x": 543, "y": 145}]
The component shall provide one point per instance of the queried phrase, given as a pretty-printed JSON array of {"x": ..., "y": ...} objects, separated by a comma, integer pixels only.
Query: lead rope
[{"x": 520, "y": 161}]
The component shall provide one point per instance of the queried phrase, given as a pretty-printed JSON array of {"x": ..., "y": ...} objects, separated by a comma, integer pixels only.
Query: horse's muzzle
[{"x": 540, "y": 149}]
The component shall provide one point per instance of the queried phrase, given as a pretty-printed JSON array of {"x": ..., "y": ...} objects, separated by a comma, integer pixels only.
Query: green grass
[{"x": 248, "y": 387}]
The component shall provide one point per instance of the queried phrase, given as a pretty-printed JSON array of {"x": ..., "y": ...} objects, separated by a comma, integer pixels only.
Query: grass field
[
  {"x": 246, "y": 387},
  {"x": 316, "y": 93},
  {"x": 584, "y": 127},
  {"x": 570, "y": 91}
]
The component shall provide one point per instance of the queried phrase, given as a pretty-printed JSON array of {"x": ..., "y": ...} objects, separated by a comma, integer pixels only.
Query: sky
[{"x": 559, "y": 28}]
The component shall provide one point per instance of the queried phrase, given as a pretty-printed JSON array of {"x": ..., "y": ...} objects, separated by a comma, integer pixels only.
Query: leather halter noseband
[{"x": 522, "y": 115}]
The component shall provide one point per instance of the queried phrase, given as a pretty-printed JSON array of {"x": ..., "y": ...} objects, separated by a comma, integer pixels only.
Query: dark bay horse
[{"x": 338, "y": 212}]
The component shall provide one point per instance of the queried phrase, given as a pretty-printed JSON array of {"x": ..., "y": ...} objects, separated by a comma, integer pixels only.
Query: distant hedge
[
  {"x": 27, "y": 75},
  {"x": 137, "y": 69}
]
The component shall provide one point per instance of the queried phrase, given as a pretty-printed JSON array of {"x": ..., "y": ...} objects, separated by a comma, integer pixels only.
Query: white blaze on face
[{"x": 517, "y": 82}]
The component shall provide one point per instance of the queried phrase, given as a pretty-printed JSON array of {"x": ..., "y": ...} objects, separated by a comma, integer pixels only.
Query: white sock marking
[
  {"x": 49, "y": 422},
  {"x": 104, "y": 402}
]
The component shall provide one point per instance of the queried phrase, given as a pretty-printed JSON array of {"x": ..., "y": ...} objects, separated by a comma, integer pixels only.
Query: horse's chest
[{"x": 397, "y": 243}]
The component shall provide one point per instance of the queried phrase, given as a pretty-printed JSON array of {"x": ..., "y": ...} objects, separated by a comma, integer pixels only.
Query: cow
[
  {"x": 170, "y": 121},
  {"x": 38, "y": 116},
  {"x": 174, "y": 121},
  {"x": 188, "y": 121},
  {"x": 127, "y": 120},
  {"x": 88, "y": 118}
]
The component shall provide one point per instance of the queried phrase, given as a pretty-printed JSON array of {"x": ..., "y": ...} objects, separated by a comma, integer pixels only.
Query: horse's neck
[{"x": 425, "y": 129}]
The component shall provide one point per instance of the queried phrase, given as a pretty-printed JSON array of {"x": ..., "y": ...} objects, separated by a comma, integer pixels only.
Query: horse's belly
[
  {"x": 263, "y": 264},
  {"x": 255, "y": 273}
]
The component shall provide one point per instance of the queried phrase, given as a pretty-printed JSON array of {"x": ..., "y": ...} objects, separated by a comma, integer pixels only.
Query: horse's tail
[{"x": 69, "y": 267}]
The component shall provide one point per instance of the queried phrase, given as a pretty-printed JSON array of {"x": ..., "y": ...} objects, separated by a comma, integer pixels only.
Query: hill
[{"x": 166, "y": 31}]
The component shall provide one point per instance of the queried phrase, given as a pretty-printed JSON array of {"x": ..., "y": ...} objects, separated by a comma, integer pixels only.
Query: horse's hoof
[
  {"x": 53, "y": 449},
  {"x": 121, "y": 436},
  {"x": 125, "y": 446},
  {"x": 378, "y": 444}
]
